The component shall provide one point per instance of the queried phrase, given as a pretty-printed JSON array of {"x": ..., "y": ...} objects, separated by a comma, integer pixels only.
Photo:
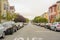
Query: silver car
[
  {"x": 55, "y": 26},
  {"x": 9, "y": 27},
  {"x": 2, "y": 33}
]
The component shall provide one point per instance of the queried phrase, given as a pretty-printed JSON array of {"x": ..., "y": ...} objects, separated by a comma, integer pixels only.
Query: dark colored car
[{"x": 48, "y": 25}]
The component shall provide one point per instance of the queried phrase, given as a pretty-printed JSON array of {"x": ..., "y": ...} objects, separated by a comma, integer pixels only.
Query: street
[{"x": 31, "y": 32}]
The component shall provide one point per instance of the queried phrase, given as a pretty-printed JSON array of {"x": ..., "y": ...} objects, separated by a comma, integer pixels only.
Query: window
[{"x": 5, "y": 7}]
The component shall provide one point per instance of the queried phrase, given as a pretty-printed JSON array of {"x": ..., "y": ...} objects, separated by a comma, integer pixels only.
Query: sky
[{"x": 31, "y": 8}]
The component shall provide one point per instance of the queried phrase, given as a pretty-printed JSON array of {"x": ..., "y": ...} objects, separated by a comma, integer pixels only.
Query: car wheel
[
  {"x": 55, "y": 29},
  {"x": 11, "y": 31},
  {"x": 50, "y": 28},
  {"x": 16, "y": 30},
  {"x": 3, "y": 35}
]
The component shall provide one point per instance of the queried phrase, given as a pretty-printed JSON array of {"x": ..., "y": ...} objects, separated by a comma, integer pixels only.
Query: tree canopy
[
  {"x": 39, "y": 19},
  {"x": 58, "y": 20},
  {"x": 19, "y": 18}
]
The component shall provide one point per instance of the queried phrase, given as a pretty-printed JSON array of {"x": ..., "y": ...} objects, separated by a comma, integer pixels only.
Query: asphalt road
[{"x": 33, "y": 32}]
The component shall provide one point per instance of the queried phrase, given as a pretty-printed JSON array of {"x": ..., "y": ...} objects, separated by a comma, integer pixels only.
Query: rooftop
[{"x": 53, "y": 6}]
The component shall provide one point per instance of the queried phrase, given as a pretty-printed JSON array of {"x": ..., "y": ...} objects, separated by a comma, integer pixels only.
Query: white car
[
  {"x": 2, "y": 33},
  {"x": 55, "y": 26}
]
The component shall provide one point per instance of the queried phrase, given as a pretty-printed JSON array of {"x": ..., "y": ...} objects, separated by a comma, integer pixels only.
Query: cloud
[{"x": 30, "y": 8}]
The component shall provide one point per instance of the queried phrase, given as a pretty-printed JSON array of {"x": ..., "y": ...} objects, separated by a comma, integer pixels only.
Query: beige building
[
  {"x": 4, "y": 7},
  {"x": 58, "y": 9},
  {"x": 45, "y": 15}
]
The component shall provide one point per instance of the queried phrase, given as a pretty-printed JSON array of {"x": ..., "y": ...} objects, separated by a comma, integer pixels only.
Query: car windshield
[{"x": 4, "y": 25}]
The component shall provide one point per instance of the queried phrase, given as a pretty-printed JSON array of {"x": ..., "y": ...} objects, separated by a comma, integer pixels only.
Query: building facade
[
  {"x": 58, "y": 10},
  {"x": 4, "y": 7},
  {"x": 45, "y": 15},
  {"x": 54, "y": 12},
  {"x": 12, "y": 9},
  {"x": 6, "y": 11}
]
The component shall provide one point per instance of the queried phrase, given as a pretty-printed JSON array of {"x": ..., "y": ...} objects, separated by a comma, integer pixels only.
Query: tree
[
  {"x": 27, "y": 20},
  {"x": 58, "y": 20},
  {"x": 39, "y": 19},
  {"x": 14, "y": 16},
  {"x": 9, "y": 16},
  {"x": 19, "y": 18},
  {"x": 44, "y": 20}
]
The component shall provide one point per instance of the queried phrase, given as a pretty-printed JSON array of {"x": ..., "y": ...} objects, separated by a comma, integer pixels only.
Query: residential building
[
  {"x": 4, "y": 7},
  {"x": 58, "y": 10},
  {"x": 54, "y": 11},
  {"x": 45, "y": 15},
  {"x": 12, "y": 9}
]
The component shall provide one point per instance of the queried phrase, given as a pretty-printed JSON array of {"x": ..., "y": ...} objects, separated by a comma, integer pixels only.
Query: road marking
[
  {"x": 34, "y": 38},
  {"x": 43, "y": 31}
]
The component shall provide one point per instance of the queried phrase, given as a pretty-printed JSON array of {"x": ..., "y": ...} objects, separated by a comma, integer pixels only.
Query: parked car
[
  {"x": 25, "y": 23},
  {"x": 38, "y": 24},
  {"x": 10, "y": 27},
  {"x": 2, "y": 33},
  {"x": 55, "y": 26},
  {"x": 35, "y": 23},
  {"x": 19, "y": 25},
  {"x": 48, "y": 25},
  {"x": 14, "y": 26},
  {"x": 42, "y": 24}
]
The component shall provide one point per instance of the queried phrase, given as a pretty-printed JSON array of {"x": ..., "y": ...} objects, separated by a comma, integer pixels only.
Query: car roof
[{"x": 9, "y": 22}]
